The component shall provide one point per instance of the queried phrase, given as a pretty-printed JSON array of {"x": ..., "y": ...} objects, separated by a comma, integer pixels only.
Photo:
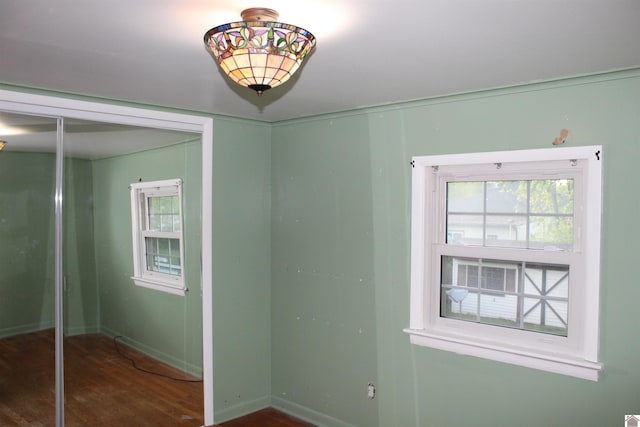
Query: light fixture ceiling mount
[{"x": 259, "y": 52}]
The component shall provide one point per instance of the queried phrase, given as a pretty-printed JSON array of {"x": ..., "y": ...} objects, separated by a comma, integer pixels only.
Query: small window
[
  {"x": 506, "y": 254},
  {"x": 156, "y": 216}
]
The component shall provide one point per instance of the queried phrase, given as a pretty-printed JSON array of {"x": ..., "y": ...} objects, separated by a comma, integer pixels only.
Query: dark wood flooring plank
[
  {"x": 268, "y": 417},
  {"x": 101, "y": 387}
]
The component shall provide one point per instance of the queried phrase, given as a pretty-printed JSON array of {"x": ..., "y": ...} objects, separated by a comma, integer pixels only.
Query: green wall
[
  {"x": 81, "y": 291},
  {"x": 323, "y": 271},
  {"x": 27, "y": 233},
  {"x": 27, "y": 185},
  {"x": 241, "y": 267},
  {"x": 340, "y": 260}
]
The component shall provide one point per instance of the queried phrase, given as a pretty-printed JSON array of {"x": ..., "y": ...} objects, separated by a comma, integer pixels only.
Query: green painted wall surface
[
  {"x": 241, "y": 267},
  {"x": 27, "y": 185},
  {"x": 340, "y": 260},
  {"x": 166, "y": 326},
  {"x": 323, "y": 295},
  {"x": 81, "y": 292}
]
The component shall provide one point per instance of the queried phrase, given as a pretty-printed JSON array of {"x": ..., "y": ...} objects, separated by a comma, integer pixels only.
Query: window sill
[
  {"x": 559, "y": 364},
  {"x": 159, "y": 286}
]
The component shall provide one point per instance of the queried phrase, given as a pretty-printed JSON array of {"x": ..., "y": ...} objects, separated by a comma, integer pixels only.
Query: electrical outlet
[{"x": 371, "y": 390}]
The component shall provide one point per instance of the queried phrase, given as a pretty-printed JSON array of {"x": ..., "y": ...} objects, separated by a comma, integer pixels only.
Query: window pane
[
  {"x": 464, "y": 229},
  {"x": 551, "y": 232},
  {"x": 163, "y": 255},
  {"x": 507, "y": 197},
  {"x": 539, "y": 304},
  {"x": 536, "y": 214},
  {"x": 166, "y": 223},
  {"x": 465, "y": 197},
  {"x": 175, "y": 204},
  {"x": 506, "y": 231},
  {"x": 154, "y": 222},
  {"x": 551, "y": 196},
  {"x": 162, "y": 245},
  {"x": 164, "y": 213}
]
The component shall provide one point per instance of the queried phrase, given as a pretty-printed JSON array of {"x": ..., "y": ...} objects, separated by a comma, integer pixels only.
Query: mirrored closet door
[
  {"x": 27, "y": 269},
  {"x": 131, "y": 295},
  {"x": 133, "y": 348}
]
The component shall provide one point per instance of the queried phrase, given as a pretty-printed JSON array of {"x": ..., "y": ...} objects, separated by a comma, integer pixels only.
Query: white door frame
[{"x": 18, "y": 102}]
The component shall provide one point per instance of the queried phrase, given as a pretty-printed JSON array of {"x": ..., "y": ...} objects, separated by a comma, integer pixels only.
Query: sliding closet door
[
  {"x": 65, "y": 267},
  {"x": 112, "y": 321},
  {"x": 27, "y": 270}
]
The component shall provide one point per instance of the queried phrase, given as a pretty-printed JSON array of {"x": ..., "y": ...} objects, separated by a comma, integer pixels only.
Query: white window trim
[
  {"x": 575, "y": 355},
  {"x": 153, "y": 280}
]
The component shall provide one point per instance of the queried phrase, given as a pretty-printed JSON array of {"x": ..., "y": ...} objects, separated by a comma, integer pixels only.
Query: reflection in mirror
[
  {"x": 133, "y": 355},
  {"x": 27, "y": 261}
]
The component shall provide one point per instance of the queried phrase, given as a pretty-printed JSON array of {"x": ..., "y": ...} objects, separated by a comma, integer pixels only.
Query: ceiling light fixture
[{"x": 259, "y": 52}]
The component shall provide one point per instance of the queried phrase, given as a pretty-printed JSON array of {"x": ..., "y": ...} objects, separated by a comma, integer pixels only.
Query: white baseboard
[
  {"x": 189, "y": 368},
  {"x": 81, "y": 330},
  {"x": 25, "y": 329},
  {"x": 241, "y": 409},
  {"x": 307, "y": 414}
]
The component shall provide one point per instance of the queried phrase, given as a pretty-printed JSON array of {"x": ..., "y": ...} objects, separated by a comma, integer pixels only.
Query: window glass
[
  {"x": 465, "y": 197},
  {"x": 163, "y": 255},
  {"x": 163, "y": 213},
  {"x": 519, "y": 295},
  {"x": 506, "y": 197},
  {"x": 536, "y": 214}
]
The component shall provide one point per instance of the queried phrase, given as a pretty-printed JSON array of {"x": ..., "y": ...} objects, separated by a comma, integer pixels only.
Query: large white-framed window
[
  {"x": 505, "y": 256},
  {"x": 157, "y": 223}
]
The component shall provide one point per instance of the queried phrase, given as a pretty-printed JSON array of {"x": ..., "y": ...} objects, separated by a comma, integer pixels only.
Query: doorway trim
[{"x": 51, "y": 106}]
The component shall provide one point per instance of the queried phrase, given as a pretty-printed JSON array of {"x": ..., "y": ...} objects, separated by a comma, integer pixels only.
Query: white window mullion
[
  {"x": 162, "y": 234},
  {"x": 506, "y": 254}
]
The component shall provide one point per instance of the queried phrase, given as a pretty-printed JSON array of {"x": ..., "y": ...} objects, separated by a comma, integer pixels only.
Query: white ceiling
[{"x": 369, "y": 52}]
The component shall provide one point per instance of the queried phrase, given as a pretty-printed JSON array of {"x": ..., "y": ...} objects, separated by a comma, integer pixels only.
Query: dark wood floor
[
  {"x": 266, "y": 418},
  {"x": 101, "y": 387}
]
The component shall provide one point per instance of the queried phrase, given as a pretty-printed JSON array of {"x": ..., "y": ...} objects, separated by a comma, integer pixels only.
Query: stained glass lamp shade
[{"x": 259, "y": 52}]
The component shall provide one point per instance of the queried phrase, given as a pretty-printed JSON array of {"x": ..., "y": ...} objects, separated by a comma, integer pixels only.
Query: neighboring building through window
[
  {"x": 156, "y": 216},
  {"x": 505, "y": 256}
]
